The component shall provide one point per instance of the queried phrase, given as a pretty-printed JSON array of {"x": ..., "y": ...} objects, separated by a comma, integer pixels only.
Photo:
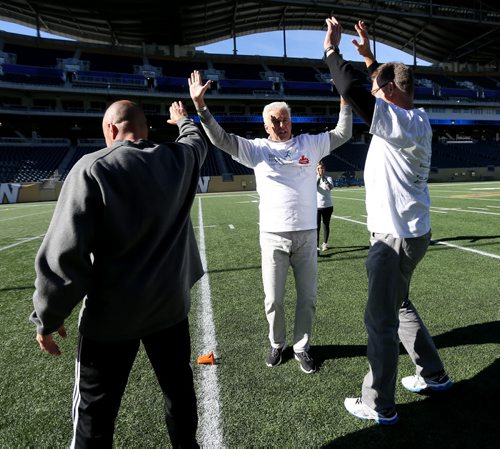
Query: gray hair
[
  {"x": 400, "y": 74},
  {"x": 276, "y": 106}
]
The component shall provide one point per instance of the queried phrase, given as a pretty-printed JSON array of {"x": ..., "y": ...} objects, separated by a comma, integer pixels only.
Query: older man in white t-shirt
[{"x": 285, "y": 172}]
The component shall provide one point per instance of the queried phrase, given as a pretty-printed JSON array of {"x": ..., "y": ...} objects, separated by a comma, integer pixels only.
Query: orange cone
[{"x": 208, "y": 359}]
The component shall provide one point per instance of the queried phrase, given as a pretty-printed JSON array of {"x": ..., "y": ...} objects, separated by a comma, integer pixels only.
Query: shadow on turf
[
  {"x": 475, "y": 334},
  {"x": 465, "y": 417},
  {"x": 342, "y": 249},
  {"x": 12, "y": 289},
  {"x": 470, "y": 238}
]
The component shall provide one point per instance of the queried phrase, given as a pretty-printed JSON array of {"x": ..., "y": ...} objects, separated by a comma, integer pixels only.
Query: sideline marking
[{"x": 210, "y": 428}]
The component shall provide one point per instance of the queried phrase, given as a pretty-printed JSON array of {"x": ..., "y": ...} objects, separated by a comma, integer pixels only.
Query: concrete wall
[{"x": 49, "y": 190}]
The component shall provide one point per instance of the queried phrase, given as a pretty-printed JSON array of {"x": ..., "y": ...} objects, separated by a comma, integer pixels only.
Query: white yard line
[
  {"x": 22, "y": 216},
  {"x": 21, "y": 242},
  {"x": 463, "y": 248},
  {"x": 347, "y": 198},
  {"x": 461, "y": 196},
  {"x": 438, "y": 211},
  {"x": 349, "y": 219},
  {"x": 476, "y": 212},
  {"x": 210, "y": 426},
  {"x": 19, "y": 206},
  {"x": 437, "y": 242},
  {"x": 226, "y": 195}
]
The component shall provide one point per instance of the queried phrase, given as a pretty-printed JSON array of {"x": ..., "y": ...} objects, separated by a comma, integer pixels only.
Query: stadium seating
[
  {"x": 243, "y": 86},
  {"x": 30, "y": 163},
  {"x": 87, "y": 78},
  {"x": 31, "y": 74},
  {"x": 78, "y": 152},
  {"x": 109, "y": 80}
]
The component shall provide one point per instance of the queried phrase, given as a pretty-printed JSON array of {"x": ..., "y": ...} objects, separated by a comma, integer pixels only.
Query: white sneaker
[
  {"x": 324, "y": 246},
  {"x": 417, "y": 383},
  {"x": 356, "y": 407}
]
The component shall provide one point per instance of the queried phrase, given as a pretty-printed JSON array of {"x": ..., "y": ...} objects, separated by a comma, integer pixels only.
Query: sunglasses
[{"x": 374, "y": 91}]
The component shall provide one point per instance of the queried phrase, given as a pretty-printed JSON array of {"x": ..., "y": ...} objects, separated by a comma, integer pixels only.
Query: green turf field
[{"x": 242, "y": 403}]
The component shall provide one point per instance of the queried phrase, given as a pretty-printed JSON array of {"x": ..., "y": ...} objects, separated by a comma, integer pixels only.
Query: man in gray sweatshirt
[{"x": 121, "y": 240}]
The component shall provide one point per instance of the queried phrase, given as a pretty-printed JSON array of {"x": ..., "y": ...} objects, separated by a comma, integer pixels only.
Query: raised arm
[
  {"x": 226, "y": 142},
  {"x": 348, "y": 81},
  {"x": 343, "y": 131}
]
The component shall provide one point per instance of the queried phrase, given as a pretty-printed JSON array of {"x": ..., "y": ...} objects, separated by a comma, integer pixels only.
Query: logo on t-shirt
[{"x": 303, "y": 160}]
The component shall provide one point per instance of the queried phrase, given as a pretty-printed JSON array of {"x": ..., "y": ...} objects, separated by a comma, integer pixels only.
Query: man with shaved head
[{"x": 121, "y": 240}]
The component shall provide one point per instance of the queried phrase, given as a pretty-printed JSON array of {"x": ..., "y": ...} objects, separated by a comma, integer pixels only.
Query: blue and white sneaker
[
  {"x": 357, "y": 408},
  {"x": 417, "y": 384}
]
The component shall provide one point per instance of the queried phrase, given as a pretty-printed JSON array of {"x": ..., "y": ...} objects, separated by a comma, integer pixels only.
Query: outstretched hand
[
  {"x": 197, "y": 89},
  {"x": 177, "y": 111},
  {"x": 363, "y": 46},
  {"x": 333, "y": 33},
  {"x": 48, "y": 344}
]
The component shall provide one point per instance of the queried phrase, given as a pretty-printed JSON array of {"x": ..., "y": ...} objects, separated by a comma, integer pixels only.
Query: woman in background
[{"x": 325, "y": 205}]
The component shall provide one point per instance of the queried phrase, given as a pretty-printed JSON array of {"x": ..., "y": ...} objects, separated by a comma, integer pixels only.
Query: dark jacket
[{"x": 121, "y": 237}]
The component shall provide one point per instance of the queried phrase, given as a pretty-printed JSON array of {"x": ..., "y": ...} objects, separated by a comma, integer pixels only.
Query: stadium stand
[
  {"x": 22, "y": 161},
  {"x": 243, "y": 86},
  {"x": 239, "y": 71},
  {"x": 31, "y": 74},
  {"x": 61, "y": 90},
  {"x": 210, "y": 166},
  {"x": 75, "y": 153}
]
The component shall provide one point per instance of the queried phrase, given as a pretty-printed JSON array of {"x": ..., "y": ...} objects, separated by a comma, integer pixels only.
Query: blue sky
[{"x": 299, "y": 44}]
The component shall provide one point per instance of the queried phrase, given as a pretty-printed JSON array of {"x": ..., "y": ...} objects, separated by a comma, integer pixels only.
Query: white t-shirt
[
  {"x": 285, "y": 174},
  {"x": 396, "y": 171},
  {"x": 323, "y": 197}
]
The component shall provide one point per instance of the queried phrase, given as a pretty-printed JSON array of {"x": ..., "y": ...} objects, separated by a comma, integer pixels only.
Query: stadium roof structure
[{"x": 435, "y": 30}]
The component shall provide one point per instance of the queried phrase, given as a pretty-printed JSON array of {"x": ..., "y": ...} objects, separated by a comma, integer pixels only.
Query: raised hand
[
  {"x": 197, "y": 89},
  {"x": 177, "y": 111},
  {"x": 333, "y": 33},
  {"x": 363, "y": 46}
]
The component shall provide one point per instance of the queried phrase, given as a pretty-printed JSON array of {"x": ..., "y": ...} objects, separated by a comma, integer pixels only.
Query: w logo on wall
[
  {"x": 9, "y": 193},
  {"x": 203, "y": 183}
]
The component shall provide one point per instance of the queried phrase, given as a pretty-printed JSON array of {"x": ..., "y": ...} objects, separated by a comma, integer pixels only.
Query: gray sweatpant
[{"x": 389, "y": 314}]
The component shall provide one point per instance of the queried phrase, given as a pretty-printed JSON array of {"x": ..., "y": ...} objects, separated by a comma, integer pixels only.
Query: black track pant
[
  {"x": 102, "y": 370},
  {"x": 324, "y": 215}
]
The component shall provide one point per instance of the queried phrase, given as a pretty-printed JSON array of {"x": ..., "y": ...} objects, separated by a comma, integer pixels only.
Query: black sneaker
[
  {"x": 306, "y": 362},
  {"x": 274, "y": 356}
]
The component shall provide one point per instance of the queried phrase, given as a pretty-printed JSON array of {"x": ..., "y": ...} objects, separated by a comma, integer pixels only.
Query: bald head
[{"x": 124, "y": 120}]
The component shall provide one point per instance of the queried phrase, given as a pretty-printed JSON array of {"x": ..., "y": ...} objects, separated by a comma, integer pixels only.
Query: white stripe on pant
[{"x": 102, "y": 371}]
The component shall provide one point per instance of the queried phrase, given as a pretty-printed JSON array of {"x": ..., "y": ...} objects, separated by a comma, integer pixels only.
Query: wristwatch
[
  {"x": 203, "y": 109},
  {"x": 332, "y": 47}
]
